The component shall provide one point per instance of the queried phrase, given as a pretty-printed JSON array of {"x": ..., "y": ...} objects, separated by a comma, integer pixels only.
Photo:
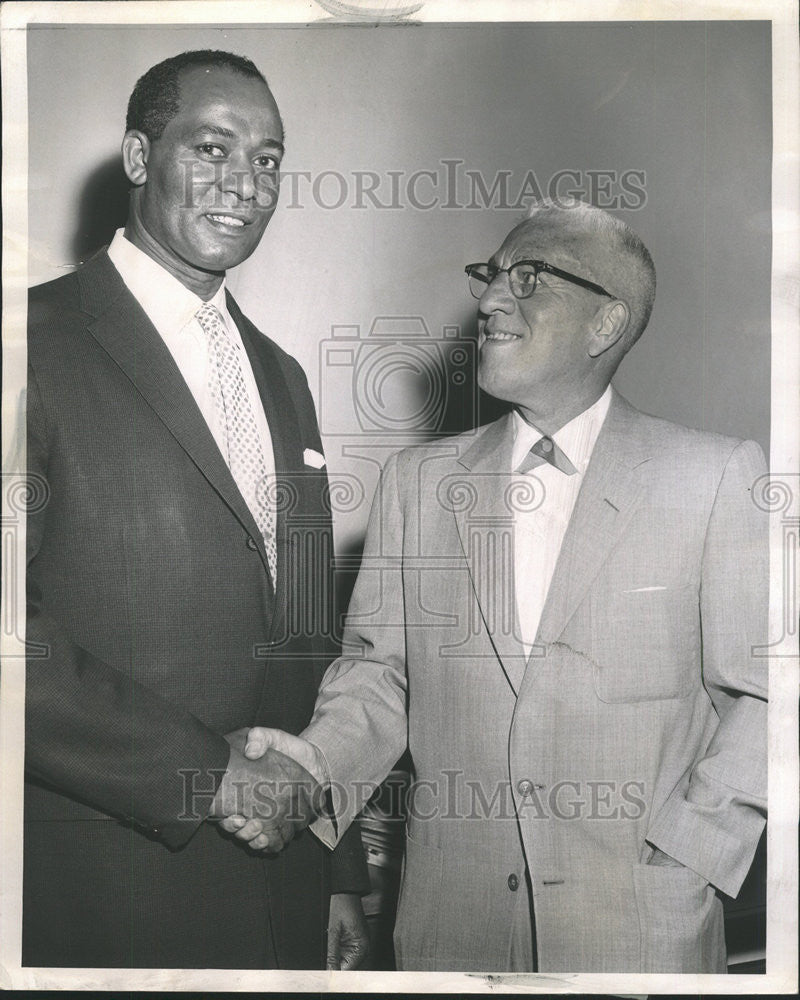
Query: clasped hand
[{"x": 266, "y": 796}]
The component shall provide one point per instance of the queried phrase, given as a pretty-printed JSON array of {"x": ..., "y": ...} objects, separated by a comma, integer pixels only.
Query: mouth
[
  {"x": 227, "y": 223},
  {"x": 499, "y": 337}
]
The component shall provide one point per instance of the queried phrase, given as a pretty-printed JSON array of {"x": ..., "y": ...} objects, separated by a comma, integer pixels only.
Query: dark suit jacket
[{"x": 153, "y": 629}]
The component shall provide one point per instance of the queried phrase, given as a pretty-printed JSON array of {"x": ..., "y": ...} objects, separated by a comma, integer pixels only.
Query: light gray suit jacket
[{"x": 639, "y": 720}]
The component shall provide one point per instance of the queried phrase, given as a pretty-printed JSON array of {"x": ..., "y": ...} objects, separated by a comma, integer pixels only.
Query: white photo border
[{"x": 782, "y": 900}]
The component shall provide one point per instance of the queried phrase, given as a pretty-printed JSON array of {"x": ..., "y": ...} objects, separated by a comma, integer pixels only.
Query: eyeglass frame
[{"x": 538, "y": 267}]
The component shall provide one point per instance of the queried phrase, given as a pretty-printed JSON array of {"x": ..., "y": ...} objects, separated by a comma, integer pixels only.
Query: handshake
[{"x": 274, "y": 787}]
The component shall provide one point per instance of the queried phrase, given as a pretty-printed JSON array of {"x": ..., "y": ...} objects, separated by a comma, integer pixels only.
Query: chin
[
  {"x": 219, "y": 260},
  {"x": 215, "y": 254}
]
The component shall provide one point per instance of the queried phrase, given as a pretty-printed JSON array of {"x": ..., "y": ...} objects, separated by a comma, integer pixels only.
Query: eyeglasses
[{"x": 522, "y": 277}]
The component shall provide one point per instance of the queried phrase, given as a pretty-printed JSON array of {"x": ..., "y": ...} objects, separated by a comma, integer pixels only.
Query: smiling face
[
  {"x": 536, "y": 350},
  {"x": 207, "y": 188}
]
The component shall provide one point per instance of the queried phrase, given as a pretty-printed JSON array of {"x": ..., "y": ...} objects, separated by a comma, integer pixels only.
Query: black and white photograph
[{"x": 401, "y": 497}]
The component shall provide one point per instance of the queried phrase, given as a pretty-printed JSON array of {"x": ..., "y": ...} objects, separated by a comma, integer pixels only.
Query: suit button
[
  {"x": 513, "y": 882},
  {"x": 525, "y": 787},
  {"x": 251, "y": 543}
]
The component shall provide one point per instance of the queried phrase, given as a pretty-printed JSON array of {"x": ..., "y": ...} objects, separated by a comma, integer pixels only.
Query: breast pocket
[{"x": 645, "y": 643}]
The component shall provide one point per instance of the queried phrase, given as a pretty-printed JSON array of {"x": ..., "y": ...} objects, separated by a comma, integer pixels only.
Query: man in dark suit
[{"x": 186, "y": 524}]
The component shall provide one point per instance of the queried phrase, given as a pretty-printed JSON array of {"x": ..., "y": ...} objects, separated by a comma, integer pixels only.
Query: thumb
[{"x": 260, "y": 739}]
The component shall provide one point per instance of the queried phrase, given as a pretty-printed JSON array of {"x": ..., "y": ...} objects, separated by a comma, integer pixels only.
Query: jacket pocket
[
  {"x": 645, "y": 644},
  {"x": 680, "y": 920}
]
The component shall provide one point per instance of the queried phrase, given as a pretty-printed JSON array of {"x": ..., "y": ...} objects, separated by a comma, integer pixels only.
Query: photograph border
[{"x": 784, "y": 801}]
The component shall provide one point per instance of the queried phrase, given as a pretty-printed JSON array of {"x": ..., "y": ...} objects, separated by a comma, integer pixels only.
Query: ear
[
  {"x": 135, "y": 151},
  {"x": 613, "y": 321}
]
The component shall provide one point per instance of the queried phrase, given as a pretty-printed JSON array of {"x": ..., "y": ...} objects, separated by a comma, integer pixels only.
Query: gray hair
[{"x": 623, "y": 263}]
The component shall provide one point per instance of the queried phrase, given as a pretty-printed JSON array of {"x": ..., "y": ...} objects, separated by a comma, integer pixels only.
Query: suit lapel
[
  {"x": 608, "y": 497},
  {"x": 123, "y": 330},
  {"x": 485, "y": 524}
]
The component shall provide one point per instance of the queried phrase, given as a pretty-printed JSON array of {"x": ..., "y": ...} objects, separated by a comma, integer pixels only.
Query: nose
[
  {"x": 238, "y": 179},
  {"x": 498, "y": 296}
]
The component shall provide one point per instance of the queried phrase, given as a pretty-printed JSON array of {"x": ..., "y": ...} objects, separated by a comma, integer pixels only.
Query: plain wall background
[{"x": 689, "y": 104}]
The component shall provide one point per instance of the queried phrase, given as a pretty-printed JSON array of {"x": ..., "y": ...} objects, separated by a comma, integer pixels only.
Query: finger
[
  {"x": 277, "y": 834},
  {"x": 348, "y": 959},
  {"x": 353, "y": 955},
  {"x": 252, "y": 828},
  {"x": 232, "y": 823},
  {"x": 332, "y": 958},
  {"x": 263, "y": 842},
  {"x": 269, "y": 842},
  {"x": 258, "y": 742}
]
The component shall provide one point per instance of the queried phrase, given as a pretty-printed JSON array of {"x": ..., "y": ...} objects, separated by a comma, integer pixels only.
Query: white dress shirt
[
  {"x": 172, "y": 308},
  {"x": 539, "y": 532}
]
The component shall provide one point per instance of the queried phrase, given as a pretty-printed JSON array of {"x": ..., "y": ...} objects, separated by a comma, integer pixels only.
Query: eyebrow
[{"x": 226, "y": 133}]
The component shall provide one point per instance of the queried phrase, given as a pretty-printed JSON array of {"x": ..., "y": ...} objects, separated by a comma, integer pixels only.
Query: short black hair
[{"x": 156, "y": 97}]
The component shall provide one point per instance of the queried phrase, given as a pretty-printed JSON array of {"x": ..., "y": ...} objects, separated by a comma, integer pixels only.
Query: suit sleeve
[
  {"x": 360, "y": 721},
  {"x": 348, "y": 864},
  {"x": 715, "y": 827},
  {"x": 91, "y": 731}
]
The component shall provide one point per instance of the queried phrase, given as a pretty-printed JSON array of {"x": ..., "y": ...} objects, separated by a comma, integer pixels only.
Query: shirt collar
[
  {"x": 168, "y": 303},
  {"x": 576, "y": 438}
]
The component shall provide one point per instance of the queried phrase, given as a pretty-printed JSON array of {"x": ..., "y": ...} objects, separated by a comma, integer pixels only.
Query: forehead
[
  {"x": 211, "y": 93},
  {"x": 540, "y": 240}
]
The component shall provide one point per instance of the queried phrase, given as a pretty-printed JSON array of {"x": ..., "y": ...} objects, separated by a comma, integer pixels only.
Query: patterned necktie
[
  {"x": 546, "y": 450},
  {"x": 244, "y": 454}
]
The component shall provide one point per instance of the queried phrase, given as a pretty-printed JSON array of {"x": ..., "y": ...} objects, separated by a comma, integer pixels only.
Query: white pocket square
[
  {"x": 314, "y": 459},
  {"x": 642, "y": 590}
]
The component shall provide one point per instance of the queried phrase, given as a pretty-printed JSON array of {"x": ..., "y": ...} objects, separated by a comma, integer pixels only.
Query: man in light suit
[
  {"x": 187, "y": 520},
  {"x": 558, "y": 613}
]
